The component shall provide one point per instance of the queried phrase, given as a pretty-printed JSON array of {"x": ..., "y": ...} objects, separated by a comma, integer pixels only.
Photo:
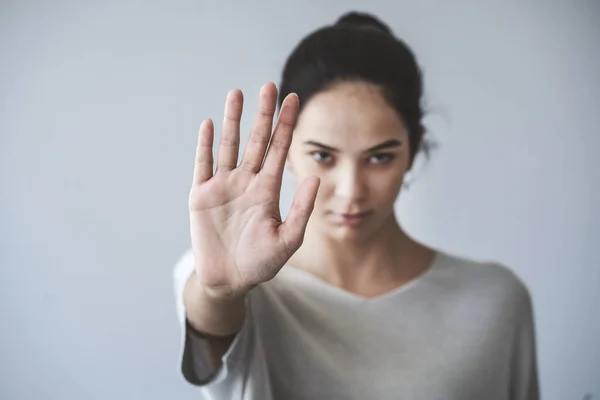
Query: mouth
[{"x": 351, "y": 219}]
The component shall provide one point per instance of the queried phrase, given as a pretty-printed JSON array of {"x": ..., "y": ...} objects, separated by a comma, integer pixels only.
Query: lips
[
  {"x": 353, "y": 215},
  {"x": 351, "y": 219}
]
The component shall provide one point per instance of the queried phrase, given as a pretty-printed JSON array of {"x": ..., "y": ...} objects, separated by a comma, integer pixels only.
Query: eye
[
  {"x": 322, "y": 157},
  {"x": 382, "y": 158}
]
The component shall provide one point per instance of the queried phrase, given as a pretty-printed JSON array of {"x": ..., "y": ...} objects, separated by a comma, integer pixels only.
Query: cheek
[{"x": 385, "y": 188}]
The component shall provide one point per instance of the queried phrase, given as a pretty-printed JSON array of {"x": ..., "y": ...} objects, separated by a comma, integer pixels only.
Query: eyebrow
[{"x": 385, "y": 145}]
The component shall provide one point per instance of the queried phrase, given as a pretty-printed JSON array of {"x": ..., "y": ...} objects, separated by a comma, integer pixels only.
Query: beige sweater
[{"x": 462, "y": 330}]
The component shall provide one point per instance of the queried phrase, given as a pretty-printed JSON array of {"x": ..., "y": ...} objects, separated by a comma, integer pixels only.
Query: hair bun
[{"x": 363, "y": 20}]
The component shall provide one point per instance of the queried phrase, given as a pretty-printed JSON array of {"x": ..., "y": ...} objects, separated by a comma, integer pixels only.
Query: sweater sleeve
[
  {"x": 243, "y": 370},
  {"x": 524, "y": 382}
]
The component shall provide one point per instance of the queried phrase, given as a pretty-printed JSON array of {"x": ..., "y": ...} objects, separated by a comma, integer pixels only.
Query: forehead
[{"x": 349, "y": 114}]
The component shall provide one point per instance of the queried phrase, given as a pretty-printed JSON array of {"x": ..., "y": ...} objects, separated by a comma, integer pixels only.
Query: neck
[{"x": 367, "y": 265}]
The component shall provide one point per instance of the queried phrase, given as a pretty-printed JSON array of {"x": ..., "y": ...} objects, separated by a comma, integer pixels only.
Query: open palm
[{"x": 238, "y": 237}]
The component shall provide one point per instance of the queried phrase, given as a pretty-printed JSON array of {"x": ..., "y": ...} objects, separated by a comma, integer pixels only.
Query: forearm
[
  {"x": 212, "y": 324},
  {"x": 212, "y": 315}
]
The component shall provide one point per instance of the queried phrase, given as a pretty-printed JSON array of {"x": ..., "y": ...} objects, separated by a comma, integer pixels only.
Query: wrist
[
  {"x": 214, "y": 294},
  {"x": 219, "y": 313}
]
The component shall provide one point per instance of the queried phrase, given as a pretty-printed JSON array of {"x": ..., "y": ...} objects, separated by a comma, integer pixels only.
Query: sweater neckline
[{"x": 396, "y": 291}]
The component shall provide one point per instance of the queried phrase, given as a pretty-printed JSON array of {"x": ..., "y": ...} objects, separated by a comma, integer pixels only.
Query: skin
[
  {"x": 348, "y": 150},
  {"x": 358, "y": 145}
]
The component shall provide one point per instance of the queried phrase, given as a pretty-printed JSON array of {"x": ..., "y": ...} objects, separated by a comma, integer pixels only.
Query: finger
[
  {"x": 203, "y": 166},
  {"x": 261, "y": 129},
  {"x": 230, "y": 136},
  {"x": 282, "y": 137},
  {"x": 292, "y": 230}
]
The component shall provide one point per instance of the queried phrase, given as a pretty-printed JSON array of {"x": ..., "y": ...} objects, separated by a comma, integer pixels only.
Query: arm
[
  {"x": 525, "y": 385},
  {"x": 212, "y": 323},
  {"x": 203, "y": 344},
  {"x": 221, "y": 367},
  {"x": 238, "y": 237}
]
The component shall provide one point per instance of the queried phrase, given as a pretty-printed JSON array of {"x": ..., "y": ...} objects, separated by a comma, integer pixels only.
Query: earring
[{"x": 407, "y": 180}]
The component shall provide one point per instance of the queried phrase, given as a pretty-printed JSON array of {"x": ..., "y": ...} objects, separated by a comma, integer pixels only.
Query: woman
[{"x": 344, "y": 305}]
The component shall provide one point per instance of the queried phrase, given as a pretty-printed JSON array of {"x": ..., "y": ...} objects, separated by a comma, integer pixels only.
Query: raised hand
[{"x": 238, "y": 237}]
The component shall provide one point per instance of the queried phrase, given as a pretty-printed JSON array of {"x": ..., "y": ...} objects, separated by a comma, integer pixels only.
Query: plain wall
[{"x": 99, "y": 108}]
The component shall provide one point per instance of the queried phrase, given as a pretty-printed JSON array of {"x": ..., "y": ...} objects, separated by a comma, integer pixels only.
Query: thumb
[{"x": 293, "y": 228}]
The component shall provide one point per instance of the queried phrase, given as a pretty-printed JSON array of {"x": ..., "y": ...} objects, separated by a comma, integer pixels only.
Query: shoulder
[{"x": 484, "y": 278}]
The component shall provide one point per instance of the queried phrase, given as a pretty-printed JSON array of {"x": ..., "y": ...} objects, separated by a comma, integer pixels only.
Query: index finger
[{"x": 282, "y": 137}]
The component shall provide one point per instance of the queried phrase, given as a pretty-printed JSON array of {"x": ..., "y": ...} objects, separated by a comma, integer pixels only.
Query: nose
[{"x": 350, "y": 185}]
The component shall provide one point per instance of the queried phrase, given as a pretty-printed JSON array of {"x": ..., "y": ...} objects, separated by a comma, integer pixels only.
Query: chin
[{"x": 344, "y": 233}]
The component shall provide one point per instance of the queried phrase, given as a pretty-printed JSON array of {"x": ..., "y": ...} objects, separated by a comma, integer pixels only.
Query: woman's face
[{"x": 352, "y": 139}]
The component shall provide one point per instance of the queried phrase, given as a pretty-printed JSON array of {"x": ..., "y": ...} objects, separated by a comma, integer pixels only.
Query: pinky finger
[{"x": 203, "y": 166}]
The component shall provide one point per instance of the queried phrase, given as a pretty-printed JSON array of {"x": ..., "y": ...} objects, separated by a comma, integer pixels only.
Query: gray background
[{"x": 99, "y": 108}]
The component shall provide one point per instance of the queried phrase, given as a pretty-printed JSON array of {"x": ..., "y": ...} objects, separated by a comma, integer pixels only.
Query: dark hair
[{"x": 359, "y": 47}]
